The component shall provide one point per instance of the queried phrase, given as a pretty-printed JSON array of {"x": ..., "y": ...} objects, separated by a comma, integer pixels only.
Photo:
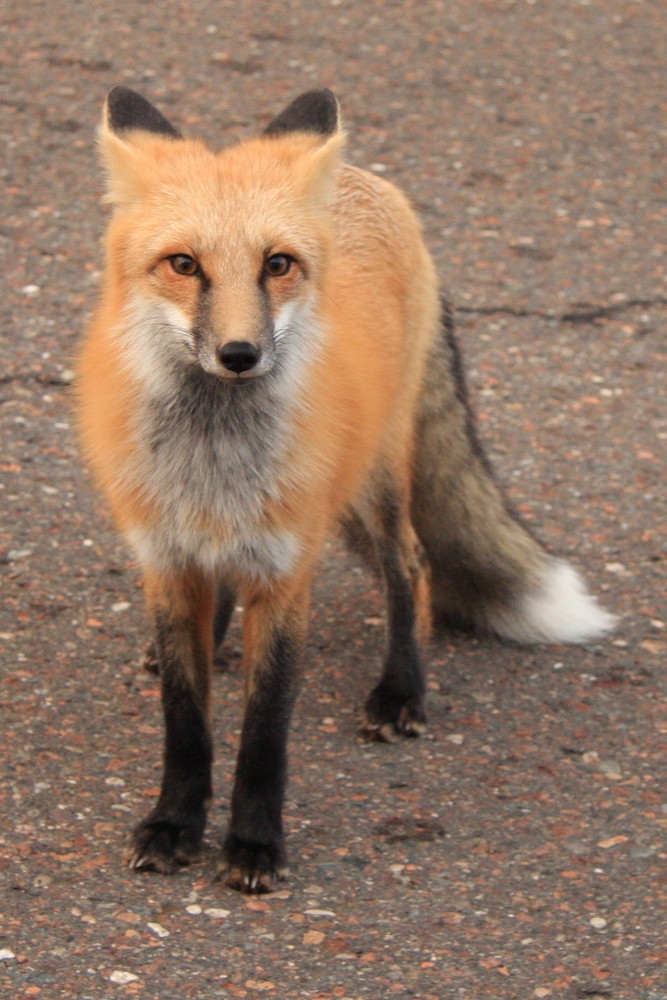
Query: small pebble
[
  {"x": 611, "y": 769},
  {"x": 15, "y": 554},
  {"x": 216, "y": 913},
  {"x": 193, "y": 909},
  {"x": 599, "y": 923},
  {"x": 6, "y": 954},
  {"x": 122, "y": 978},
  {"x": 159, "y": 930},
  {"x": 608, "y": 842}
]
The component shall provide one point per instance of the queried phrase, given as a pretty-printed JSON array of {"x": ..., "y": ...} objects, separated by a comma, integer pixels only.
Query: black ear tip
[
  {"x": 127, "y": 110},
  {"x": 324, "y": 95},
  {"x": 315, "y": 111},
  {"x": 119, "y": 93},
  {"x": 120, "y": 100},
  {"x": 329, "y": 101}
]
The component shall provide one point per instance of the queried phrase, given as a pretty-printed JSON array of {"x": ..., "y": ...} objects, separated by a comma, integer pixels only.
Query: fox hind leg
[
  {"x": 395, "y": 706},
  {"x": 224, "y": 609}
]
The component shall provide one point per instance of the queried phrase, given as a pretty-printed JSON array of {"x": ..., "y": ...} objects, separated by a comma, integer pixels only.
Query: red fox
[{"x": 271, "y": 358}]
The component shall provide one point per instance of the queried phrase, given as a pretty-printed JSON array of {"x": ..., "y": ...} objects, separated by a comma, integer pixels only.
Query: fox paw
[
  {"x": 252, "y": 867},
  {"x": 163, "y": 846},
  {"x": 387, "y": 717}
]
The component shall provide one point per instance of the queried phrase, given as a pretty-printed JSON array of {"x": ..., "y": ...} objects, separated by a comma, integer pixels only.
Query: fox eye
[
  {"x": 183, "y": 263},
  {"x": 278, "y": 264}
]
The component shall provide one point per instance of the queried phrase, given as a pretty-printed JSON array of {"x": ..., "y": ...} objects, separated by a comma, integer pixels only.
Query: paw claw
[
  {"x": 381, "y": 732},
  {"x": 409, "y": 725},
  {"x": 150, "y": 863},
  {"x": 252, "y": 884},
  {"x": 252, "y": 868},
  {"x": 163, "y": 846},
  {"x": 388, "y": 721}
]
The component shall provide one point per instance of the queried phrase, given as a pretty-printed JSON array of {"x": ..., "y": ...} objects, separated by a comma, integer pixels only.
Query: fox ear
[
  {"x": 127, "y": 111},
  {"x": 127, "y": 117},
  {"x": 320, "y": 168},
  {"x": 315, "y": 114},
  {"x": 316, "y": 111}
]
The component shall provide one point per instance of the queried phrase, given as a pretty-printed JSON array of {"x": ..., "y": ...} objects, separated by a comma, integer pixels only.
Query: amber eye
[
  {"x": 183, "y": 263},
  {"x": 278, "y": 264}
]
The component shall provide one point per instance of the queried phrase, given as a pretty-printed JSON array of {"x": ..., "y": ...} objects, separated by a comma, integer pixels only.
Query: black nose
[{"x": 238, "y": 356}]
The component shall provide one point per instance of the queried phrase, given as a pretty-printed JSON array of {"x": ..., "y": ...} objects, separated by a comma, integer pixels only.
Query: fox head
[{"x": 218, "y": 259}]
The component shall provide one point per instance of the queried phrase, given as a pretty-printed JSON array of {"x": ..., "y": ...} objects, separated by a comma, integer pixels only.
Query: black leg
[
  {"x": 254, "y": 854},
  {"x": 171, "y": 834},
  {"x": 396, "y": 705}
]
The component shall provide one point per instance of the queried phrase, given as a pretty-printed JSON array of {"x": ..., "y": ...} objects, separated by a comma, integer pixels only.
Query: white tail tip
[{"x": 557, "y": 609}]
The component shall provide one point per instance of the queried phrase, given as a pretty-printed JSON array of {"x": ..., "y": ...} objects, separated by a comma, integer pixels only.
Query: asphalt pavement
[{"x": 518, "y": 849}]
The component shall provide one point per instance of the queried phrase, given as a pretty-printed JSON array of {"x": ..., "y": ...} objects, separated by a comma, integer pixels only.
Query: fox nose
[{"x": 238, "y": 356}]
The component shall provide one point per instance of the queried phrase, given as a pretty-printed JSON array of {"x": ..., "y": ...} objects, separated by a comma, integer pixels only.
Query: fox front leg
[
  {"x": 182, "y": 609},
  {"x": 254, "y": 856}
]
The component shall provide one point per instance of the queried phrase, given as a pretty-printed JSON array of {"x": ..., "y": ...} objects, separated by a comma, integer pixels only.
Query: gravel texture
[{"x": 518, "y": 850}]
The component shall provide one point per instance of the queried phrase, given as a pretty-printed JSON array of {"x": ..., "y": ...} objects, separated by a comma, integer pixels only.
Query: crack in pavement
[{"x": 579, "y": 312}]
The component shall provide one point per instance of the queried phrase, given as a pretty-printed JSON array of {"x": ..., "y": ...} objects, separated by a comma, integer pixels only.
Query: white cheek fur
[
  {"x": 152, "y": 334},
  {"x": 298, "y": 338}
]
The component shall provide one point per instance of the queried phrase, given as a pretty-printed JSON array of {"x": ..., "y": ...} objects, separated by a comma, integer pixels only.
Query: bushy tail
[{"x": 487, "y": 571}]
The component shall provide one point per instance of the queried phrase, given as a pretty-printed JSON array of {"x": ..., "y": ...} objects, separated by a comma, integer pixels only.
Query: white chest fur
[{"x": 212, "y": 459}]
